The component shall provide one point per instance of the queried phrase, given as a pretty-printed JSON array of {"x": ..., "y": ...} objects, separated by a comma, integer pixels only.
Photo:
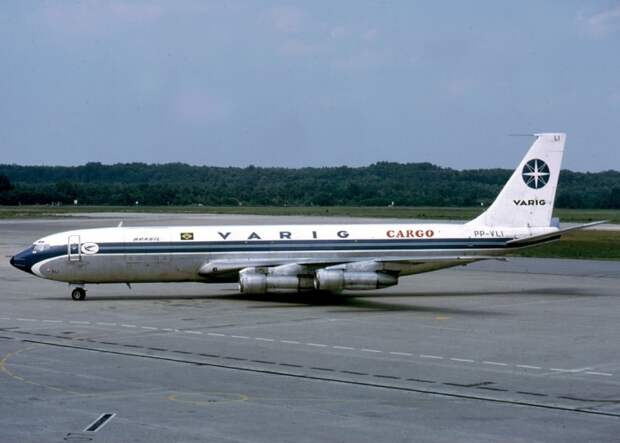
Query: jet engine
[
  {"x": 255, "y": 283},
  {"x": 298, "y": 278},
  {"x": 335, "y": 280}
]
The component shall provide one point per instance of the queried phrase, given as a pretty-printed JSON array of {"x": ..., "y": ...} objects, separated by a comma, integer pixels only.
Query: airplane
[{"x": 295, "y": 258}]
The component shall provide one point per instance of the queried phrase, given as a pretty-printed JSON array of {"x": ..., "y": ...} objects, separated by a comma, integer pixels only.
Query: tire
[{"x": 78, "y": 294}]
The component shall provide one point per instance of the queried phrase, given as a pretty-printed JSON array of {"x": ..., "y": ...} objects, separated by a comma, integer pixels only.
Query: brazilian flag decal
[{"x": 187, "y": 235}]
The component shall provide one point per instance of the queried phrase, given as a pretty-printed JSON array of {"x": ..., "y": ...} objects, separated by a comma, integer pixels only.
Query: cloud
[
  {"x": 338, "y": 32},
  {"x": 287, "y": 19},
  {"x": 602, "y": 23},
  {"x": 94, "y": 16},
  {"x": 364, "y": 59},
  {"x": 297, "y": 48},
  {"x": 199, "y": 107},
  {"x": 370, "y": 35},
  {"x": 351, "y": 32},
  {"x": 459, "y": 87}
]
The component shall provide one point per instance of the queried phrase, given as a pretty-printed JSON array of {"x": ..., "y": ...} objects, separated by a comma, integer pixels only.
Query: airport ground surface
[{"x": 518, "y": 351}]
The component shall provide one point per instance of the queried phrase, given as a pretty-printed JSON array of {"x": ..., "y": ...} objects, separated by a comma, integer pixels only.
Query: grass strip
[
  {"x": 426, "y": 212},
  {"x": 586, "y": 244}
]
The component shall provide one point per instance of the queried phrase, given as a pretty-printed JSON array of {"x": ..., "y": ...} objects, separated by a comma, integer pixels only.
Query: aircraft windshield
[{"x": 40, "y": 247}]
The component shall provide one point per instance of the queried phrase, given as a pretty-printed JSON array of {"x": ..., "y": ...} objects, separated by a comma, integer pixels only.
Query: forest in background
[{"x": 380, "y": 184}]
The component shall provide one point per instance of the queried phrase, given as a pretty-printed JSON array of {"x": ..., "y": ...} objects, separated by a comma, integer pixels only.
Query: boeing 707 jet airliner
[{"x": 298, "y": 258}]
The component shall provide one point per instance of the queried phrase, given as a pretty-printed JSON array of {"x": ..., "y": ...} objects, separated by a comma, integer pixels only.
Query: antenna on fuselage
[{"x": 120, "y": 225}]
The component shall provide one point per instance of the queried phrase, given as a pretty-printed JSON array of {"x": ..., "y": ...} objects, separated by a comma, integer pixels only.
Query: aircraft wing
[
  {"x": 222, "y": 266},
  {"x": 401, "y": 264}
]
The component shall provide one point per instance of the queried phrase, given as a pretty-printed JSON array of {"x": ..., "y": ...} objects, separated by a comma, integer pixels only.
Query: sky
[{"x": 308, "y": 83}]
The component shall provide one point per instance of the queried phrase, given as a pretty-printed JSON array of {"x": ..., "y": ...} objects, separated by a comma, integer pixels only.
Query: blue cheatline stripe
[
  {"x": 267, "y": 248},
  {"x": 298, "y": 245},
  {"x": 312, "y": 241}
]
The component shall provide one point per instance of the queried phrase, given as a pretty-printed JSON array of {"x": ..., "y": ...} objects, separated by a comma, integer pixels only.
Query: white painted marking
[
  {"x": 319, "y": 345},
  {"x": 568, "y": 370},
  {"x": 4, "y": 318},
  {"x": 528, "y": 367},
  {"x": 496, "y": 363}
]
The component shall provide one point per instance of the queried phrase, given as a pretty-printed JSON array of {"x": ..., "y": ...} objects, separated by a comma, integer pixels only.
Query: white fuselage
[{"x": 206, "y": 253}]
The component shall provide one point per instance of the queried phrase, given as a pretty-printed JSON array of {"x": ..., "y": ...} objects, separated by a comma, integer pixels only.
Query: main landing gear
[{"x": 78, "y": 294}]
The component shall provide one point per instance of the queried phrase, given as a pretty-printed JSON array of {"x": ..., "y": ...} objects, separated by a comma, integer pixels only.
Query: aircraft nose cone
[
  {"x": 22, "y": 261},
  {"x": 16, "y": 263}
]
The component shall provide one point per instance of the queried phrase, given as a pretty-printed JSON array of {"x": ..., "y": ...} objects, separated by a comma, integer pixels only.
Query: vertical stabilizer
[{"x": 527, "y": 198}]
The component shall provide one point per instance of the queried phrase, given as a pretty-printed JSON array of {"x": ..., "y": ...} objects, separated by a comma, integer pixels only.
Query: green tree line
[{"x": 380, "y": 184}]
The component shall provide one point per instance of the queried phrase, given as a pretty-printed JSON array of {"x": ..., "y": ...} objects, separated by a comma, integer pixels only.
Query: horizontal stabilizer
[
  {"x": 526, "y": 241},
  {"x": 431, "y": 259}
]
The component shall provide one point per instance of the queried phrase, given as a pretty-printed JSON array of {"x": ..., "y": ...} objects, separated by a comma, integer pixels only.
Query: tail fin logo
[{"x": 536, "y": 173}]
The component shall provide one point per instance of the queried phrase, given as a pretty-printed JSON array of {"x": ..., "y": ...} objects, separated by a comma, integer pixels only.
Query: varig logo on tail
[
  {"x": 536, "y": 173},
  {"x": 532, "y": 202}
]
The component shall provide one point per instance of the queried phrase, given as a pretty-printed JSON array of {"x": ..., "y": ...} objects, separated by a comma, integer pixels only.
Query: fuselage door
[{"x": 74, "y": 252}]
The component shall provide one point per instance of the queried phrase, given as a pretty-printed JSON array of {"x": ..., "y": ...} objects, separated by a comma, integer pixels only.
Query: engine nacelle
[
  {"x": 254, "y": 283},
  {"x": 335, "y": 280}
]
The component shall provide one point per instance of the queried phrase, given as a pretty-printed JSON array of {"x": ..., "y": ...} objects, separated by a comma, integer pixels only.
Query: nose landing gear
[{"x": 78, "y": 294}]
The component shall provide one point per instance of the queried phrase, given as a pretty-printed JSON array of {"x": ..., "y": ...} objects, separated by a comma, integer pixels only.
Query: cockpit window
[{"x": 40, "y": 247}]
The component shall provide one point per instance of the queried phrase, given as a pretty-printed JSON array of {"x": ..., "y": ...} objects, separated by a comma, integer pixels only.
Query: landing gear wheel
[{"x": 78, "y": 294}]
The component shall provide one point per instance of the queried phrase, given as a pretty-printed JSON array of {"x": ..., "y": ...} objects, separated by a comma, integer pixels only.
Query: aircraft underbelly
[{"x": 117, "y": 269}]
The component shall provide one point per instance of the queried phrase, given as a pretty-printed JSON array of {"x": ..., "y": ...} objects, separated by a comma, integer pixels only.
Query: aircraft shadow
[
  {"x": 348, "y": 301},
  {"x": 370, "y": 302},
  {"x": 341, "y": 303}
]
